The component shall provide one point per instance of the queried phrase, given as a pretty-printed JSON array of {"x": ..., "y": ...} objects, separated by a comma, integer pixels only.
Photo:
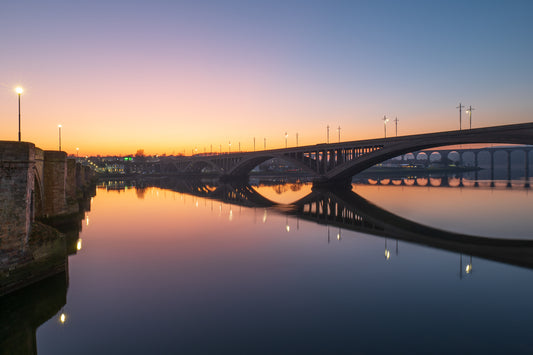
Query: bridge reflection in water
[{"x": 349, "y": 211}]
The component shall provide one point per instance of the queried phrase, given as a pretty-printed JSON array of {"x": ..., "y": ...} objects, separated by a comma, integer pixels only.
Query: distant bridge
[{"x": 335, "y": 164}]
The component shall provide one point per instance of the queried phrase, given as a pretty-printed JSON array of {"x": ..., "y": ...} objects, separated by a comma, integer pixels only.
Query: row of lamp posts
[{"x": 19, "y": 92}]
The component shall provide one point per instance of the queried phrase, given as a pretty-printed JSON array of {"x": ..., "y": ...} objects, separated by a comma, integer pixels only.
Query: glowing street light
[
  {"x": 469, "y": 111},
  {"x": 19, "y": 91},
  {"x": 385, "y": 120},
  {"x": 339, "y": 129},
  {"x": 286, "y": 136},
  {"x": 327, "y": 129},
  {"x": 59, "y": 127},
  {"x": 297, "y": 139},
  {"x": 229, "y": 147},
  {"x": 77, "y": 152}
]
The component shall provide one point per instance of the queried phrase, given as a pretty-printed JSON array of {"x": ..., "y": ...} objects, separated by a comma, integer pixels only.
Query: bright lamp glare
[{"x": 19, "y": 90}]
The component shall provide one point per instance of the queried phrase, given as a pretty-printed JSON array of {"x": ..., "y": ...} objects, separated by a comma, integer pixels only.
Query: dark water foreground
[{"x": 277, "y": 268}]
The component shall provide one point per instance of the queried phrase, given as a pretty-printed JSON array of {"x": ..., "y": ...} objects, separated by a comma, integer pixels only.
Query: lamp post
[
  {"x": 385, "y": 120},
  {"x": 265, "y": 143},
  {"x": 229, "y": 147},
  {"x": 460, "y": 107},
  {"x": 19, "y": 91},
  {"x": 59, "y": 127},
  {"x": 339, "y": 129},
  {"x": 77, "y": 152},
  {"x": 327, "y": 138},
  {"x": 297, "y": 139},
  {"x": 469, "y": 111},
  {"x": 286, "y": 136}
]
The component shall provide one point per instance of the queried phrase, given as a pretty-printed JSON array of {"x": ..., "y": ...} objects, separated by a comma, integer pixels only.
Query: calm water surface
[{"x": 161, "y": 272}]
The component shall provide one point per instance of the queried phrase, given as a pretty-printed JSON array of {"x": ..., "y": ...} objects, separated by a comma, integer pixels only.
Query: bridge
[
  {"x": 37, "y": 185},
  {"x": 334, "y": 164}
]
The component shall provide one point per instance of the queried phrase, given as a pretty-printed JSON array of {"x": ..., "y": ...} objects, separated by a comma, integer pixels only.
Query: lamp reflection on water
[
  {"x": 62, "y": 317},
  {"x": 265, "y": 216},
  {"x": 468, "y": 268},
  {"x": 387, "y": 251}
]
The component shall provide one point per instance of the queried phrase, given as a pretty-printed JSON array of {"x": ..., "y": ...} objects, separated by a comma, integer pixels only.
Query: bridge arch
[
  {"x": 199, "y": 166},
  {"x": 249, "y": 163},
  {"x": 511, "y": 134}
]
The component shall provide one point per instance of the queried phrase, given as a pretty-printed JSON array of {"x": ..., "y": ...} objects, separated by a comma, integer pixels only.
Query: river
[{"x": 168, "y": 272}]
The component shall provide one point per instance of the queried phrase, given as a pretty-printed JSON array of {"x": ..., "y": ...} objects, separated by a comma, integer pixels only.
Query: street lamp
[
  {"x": 469, "y": 111},
  {"x": 385, "y": 120},
  {"x": 339, "y": 129},
  {"x": 297, "y": 139},
  {"x": 19, "y": 91},
  {"x": 460, "y": 107},
  {"x": 77, "y": 152},
  {"x": 327, "y": 129},
  {"x": 229, "y": 147},
  {"x": 59, "y": 127},
  {"x": 286, "y": 136}
]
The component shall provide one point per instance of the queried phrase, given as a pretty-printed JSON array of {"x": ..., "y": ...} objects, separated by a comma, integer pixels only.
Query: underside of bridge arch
[
  {"x": 246, "y": 166},
  {"x": 202, "y": 166},
  {"x": 345, "y": 171}
]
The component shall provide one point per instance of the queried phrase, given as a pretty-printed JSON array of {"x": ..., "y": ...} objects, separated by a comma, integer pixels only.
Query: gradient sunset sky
[{"x": 172, "y": 76}]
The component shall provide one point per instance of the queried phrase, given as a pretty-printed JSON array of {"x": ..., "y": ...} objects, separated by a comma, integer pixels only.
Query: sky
[{"x": 173, "y": 77}]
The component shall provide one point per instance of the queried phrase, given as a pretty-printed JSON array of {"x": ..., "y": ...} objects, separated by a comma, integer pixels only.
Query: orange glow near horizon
[{"x": 191, "y": 77}]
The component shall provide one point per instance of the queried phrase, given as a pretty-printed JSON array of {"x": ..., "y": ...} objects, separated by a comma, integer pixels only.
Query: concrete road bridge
[{"x": 334, "y": 164}]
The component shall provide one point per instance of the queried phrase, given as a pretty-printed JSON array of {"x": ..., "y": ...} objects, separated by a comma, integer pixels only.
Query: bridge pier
[
  {"x": 17, "y": 161},
  {"x": 509, "y": 184},
  {"x": 33, "y": 184},
  {"x": 526, "y": 184}
]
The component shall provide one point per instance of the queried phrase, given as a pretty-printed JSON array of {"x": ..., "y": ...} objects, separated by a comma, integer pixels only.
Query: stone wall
[
  {"x": 16, "y": 196},
  {"x": 43, "y": 185},
  {"x": 55, "y": 178}
]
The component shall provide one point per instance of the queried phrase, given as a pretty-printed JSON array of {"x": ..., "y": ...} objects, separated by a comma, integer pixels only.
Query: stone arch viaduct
[{"x": 335, "y": 164}]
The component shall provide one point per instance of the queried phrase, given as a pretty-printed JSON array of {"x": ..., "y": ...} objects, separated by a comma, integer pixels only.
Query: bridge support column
[
  {"x": 17, "y": 160},
  {"x": 55, "y": 179},
  {"x": 491, "y": 168},
  {"x": 526, "y": 184},
  {"x": 509, "y": 184},
  {"x": 476, "y": 165},
  {"x": 71, "y": 187}
]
